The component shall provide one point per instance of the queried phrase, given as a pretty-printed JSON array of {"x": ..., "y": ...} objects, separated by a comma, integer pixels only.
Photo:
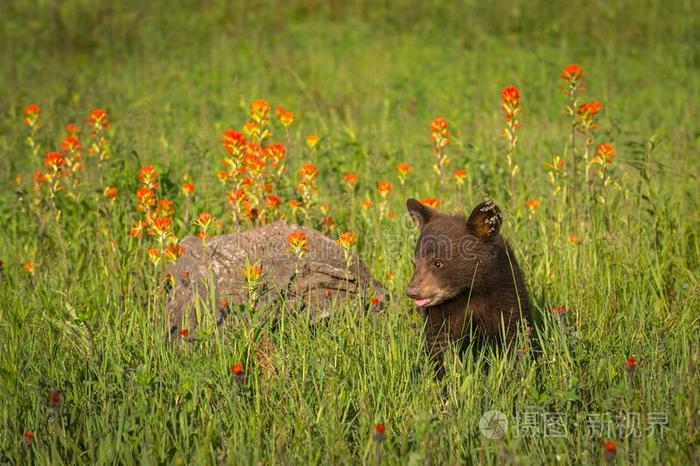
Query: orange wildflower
[
  {"x": 252, "y": 272},
  {"x": 367, "y": 204},
  {"x": 237, "y": 371},
  {"x": 439, "y": 128},
  {"x": 154, "y": 255},
  {"x": 31, "y": 112},
  {"x": 27, "y": 437},
  {"x": 260, "y": 110},
  {"x": 165, "y": 208},
  {"x": 146, "y": 198},
  {"x": 605, "y": 152},
  {"x": 384, "y": 188},
  {"x": 533, "y": 204},
  {"x": 72, "y": 129},
  {"x": 137, "y": 230},
  {"x": 297, "y": 241},
  {"x": 574, "y": 239},
  {"x": 403, "y": 168},
  {"x": 312, "y": 141},
  {"x": 286, "y": 118},
  {"x": 29, "y": 267},
  {"x": 110, "y": 193},
  {"x": 347, "y": 239},
  {"x": 571, "y": 72},
  {"x": 148, "y": 176},
  {"x": 588, "y": 110},
  {"x": 54, "y": 161},
  {"x": 204, "y": 220},
  {"x": 308, "y": 171},
  {"x": 98, "y": 119},
  {"x": 430, "y": 202},
  {"x": 272, "y": 201},
  {"x": 350, "y": 179},
  {"x": 70, "y": 144},
  {"x": 188, "y": 188},
  {"x": 32, "y": 109},
  {"x": 233, "y": 142},
  {"x": 161, "y": 226},
  {"x": 511, "y": 98}
]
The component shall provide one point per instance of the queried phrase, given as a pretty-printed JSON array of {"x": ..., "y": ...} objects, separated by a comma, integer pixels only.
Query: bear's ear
[
  {"x": 420, "y": 214},
  {"x": 485, "y": 220}
]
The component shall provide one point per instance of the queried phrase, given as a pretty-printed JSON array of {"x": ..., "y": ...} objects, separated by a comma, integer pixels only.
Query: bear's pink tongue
[{"x": 422, "y": 302}]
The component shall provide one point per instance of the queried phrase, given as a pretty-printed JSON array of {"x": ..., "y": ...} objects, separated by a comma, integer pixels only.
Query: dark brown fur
[{"x": 467, "y": 273}]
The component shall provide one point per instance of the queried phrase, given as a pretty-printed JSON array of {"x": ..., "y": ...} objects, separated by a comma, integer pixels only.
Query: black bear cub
[{"x": 466, "y": 278}]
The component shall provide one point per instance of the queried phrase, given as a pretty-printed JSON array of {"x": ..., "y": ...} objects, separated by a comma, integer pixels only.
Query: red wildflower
[
  {"x": 54, "y": 160},
  {"x": 286, "y": 118},
  {"x": 148, "y": 176},
  {"x": 297, "y": 240},
  {"x": 588, "y": 110},
  {"x": 631, "y": 362},
  {"x": 605, "y": 152},
  {"x": 347, "y": 239},
  {"x": 439, "y": 125},
  {"x": 70, "y": 144},
  {"x": 312, "y": 140},
  {"x": 98, "y": 118},
  {"x": 533, "y": 204},
  {"x": 146, "y": 198},
  {"x": 165, "y": 208},
  {"x": 110, "y": 193},
  {"x": 430, "y": 201},
  {"x": 276, "y": 150},
  {"x": 572, "y": 72},
  {"x": 32, "y": 109},
  {"x": 137, "y": 230},
  {"x": 351, "y": 179},
  {"x": 161, "y": 225},
  {"x": 233, "y": 142},
  {"x": 27, "y": 437},
  {"x": 384, "y": 188},
  {"x": 72, "y": 129},
  {"x": 260, "y": 109},
  {"x": 610, "y": 450},
  {"x": 55, "y": 399},
  {"x": 237, "y": 371},
  {"x": 188, "y": 188},
  {"x": 511, "y": 96},
  {"x": 272, "y": 201},
  {"x": 308, "y": 170},
  {"x": 374, "y": 301},
  {"x": 185, "y": 332},
  {"x": 204, "y": 220},
  {"x": 379, "y": 432},
  {"x": 403, "y": 168}
]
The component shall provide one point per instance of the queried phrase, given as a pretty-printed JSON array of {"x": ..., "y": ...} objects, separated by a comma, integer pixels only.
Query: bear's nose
[{"x": 412, "y": 292}]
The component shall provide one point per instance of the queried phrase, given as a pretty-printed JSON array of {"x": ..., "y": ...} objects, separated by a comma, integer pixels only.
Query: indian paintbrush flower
[{"x": 440, "y": 134}]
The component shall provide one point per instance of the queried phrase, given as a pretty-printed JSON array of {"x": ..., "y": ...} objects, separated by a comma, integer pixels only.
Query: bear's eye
[{"x": 438, "y": 264}]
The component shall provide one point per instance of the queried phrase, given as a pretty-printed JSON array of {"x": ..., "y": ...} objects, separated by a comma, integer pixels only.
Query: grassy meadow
[{"x": 88, "y": 374}]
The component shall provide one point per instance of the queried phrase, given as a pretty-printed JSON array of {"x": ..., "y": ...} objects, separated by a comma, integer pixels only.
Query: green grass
[{"x": 368, "y": 78}]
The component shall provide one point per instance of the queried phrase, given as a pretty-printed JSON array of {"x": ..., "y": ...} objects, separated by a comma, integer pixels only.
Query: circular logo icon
[{"x": 493, "y": 424}]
